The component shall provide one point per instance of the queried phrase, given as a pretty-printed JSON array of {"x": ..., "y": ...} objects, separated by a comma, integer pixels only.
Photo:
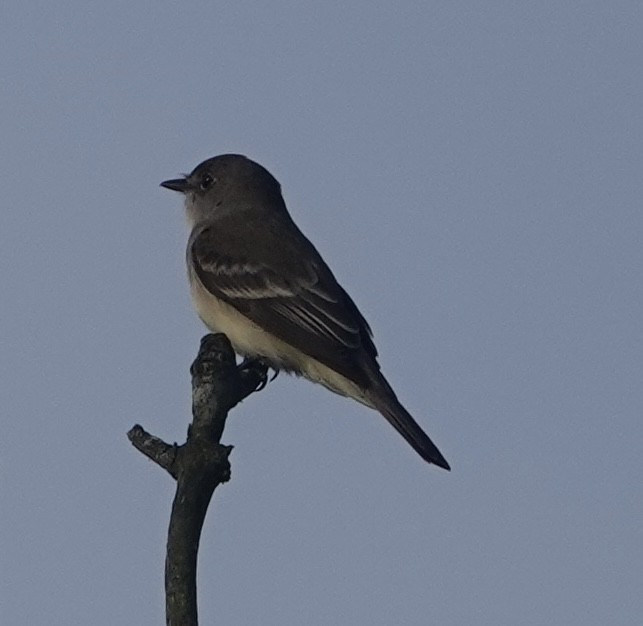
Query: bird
[{"x": 255, "y": 277}]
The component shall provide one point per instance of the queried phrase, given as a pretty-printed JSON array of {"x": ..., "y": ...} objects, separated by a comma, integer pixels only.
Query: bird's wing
[{"x": 295, "y": 298}]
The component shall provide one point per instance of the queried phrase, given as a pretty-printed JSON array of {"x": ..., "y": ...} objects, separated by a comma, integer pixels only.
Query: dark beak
[{"x": 177, "y": 184}]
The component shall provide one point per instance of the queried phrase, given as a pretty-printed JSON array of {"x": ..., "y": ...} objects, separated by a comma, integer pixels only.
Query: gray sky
[{"x": 472, "y": 172}]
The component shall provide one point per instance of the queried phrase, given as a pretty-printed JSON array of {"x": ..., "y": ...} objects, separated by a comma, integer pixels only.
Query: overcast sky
[{"x": 472, "y": 172}]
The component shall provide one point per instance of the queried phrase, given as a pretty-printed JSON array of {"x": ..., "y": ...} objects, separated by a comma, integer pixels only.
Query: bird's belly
[
  {"x": 250, "y": 340},
  {"x": 246, "y": 337}
]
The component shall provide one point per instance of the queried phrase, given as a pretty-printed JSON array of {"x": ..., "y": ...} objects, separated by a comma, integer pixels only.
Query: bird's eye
[{"x": 207, "y": 181}]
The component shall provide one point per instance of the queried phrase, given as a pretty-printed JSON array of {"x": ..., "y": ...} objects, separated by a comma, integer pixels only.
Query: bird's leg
[{"x": 259, "y": 365}]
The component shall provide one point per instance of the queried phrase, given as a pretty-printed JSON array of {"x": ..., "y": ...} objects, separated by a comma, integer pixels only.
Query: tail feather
[{"x": 387, "y": 404}]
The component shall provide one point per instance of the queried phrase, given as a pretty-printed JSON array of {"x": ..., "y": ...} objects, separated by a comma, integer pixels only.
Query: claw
[
  {"x": 263, "y": 382},
  {"x": 262, "y": 368}
]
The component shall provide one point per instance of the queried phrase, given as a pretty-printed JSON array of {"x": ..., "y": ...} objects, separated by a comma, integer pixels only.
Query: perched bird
[{"x": 255, "y": 277}]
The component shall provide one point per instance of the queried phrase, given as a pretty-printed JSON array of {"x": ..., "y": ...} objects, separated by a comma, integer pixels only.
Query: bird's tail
[{"x": 384, "y": 400}]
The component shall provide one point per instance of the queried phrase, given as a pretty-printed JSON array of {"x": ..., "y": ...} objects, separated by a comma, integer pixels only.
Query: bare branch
[{"x": 199, "y": 465}]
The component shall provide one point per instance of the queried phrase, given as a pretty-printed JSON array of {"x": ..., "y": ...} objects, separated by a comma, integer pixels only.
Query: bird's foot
[{"x": 259, "y": 367}]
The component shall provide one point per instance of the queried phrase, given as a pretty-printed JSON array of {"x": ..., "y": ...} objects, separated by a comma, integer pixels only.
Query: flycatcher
[{"x": 255, "y": 277}]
